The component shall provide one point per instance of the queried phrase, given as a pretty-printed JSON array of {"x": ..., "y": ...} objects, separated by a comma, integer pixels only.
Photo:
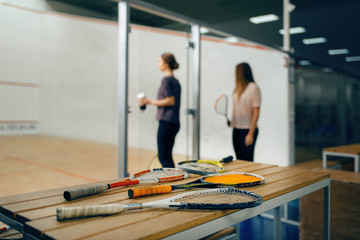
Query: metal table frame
[
  {"x": 339, "y": 154},
  {"x": 275, "y": 203}
]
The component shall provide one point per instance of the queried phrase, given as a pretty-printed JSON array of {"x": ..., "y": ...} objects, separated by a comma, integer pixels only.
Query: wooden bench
[
  {"x": 345, "y": 208},
  {"x": 36, "y": 211},
  {"x": 352, "y": 151},
  {"x": 317, "y": 164}
]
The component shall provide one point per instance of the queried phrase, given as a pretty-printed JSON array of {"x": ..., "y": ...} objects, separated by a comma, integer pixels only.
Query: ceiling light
[
  {"x": 352, "y": 59},
  {"x": 304, "y": 62},
  {"x": 294, "y": 30},
  {"x": 231, "y": 39},
  {"x": 204, "y": 30},
  {"x": 314, "y": 40},
  {"x": 264, "y": 18},
  {"x": 338, "y": 51}
]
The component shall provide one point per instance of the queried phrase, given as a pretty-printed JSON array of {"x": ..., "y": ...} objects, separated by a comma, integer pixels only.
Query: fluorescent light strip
[
  {"x": 294, "y": 30},
  {"x": 264, "y": 18},
  {"x": 304, "y": 62},
  {"x": 231, "y": 39},
  {"x": 314, "y": 40},
  {"x": 352, "y": 59},
  {"x": 338, "y": 51},
  {"x": 204, "y": 30}
]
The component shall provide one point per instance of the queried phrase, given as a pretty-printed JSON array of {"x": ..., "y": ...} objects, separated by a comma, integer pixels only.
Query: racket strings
[
  {"x": 204, "y": 167},
  {"x": 234, "y": 178},
  {"x": 162, "y": 174},
  {"x": 217, "y": 198}
]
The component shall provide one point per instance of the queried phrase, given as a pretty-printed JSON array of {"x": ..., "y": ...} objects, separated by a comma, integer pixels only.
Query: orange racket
[{"x": 235, "y": 179}]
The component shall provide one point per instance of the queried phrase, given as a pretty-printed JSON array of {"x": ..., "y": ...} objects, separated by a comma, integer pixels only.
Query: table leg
[
  {"x": 277, "y": 223},
  {"x": 356, "y": 163},
  {"x": 326, "y": 226},
  {"x": 324, "y": 156}
]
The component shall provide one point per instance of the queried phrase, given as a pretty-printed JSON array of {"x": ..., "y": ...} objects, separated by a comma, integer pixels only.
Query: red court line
[
  {"x": 20, "y": 84},
  {"x": 19, "y": 121},
  {"x": 52, "y": 169}
]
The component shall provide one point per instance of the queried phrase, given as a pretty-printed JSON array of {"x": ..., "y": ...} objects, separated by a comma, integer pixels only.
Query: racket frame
[
  {"x": 172, "y": 202},
  {"x": 199, "y": 172},
  {"x": 198, "y": 183},
  {"x": 226, "y": 107},
  {"x": 132, "y": 180}
]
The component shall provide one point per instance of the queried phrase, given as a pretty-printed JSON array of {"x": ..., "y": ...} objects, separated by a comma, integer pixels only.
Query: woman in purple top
[{"x": 168, "y": 103}]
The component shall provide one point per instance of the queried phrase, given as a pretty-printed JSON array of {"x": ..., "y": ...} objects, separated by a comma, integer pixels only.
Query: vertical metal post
[
  {"x": 286, "y": 25},
  {"x": 277, "y": 223},
  {"x": 291, "y": 81},
  {"x": 195, "y": 32},
  {"x": 292, "y": 113},
  {"x": 123, "y": 31},
  {"x": 326, "y": 235}
]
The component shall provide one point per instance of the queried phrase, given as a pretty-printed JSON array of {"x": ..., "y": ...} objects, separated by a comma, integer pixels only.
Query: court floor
[{"x": 33, "y": 162}]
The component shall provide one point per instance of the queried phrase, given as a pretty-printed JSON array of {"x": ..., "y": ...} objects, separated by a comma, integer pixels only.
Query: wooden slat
[
  {"x": 57, "y": 200},
  {"x": 27, "y": 211},
  {"x": 18, "y": 198},
  {"x": 155, "y": 228},
  {"x": 352, "y": 149}
]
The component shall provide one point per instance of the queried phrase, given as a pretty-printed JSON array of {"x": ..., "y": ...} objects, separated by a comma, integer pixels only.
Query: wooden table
[
  {"x": 352, "y": 151},
  {"x": 34, "y": 213}
]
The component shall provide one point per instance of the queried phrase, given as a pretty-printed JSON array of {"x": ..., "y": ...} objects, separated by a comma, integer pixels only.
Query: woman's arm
[
  {"x": 250, "y": 136},
  {"x": 166, "y": 102}
]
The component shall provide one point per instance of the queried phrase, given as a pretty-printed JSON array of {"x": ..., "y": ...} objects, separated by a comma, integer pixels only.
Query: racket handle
[
  {"x": 87, "y": 211},
  {"x": 139, "y": 192},
  {"x": 227, "y": 159},
  {"x": 85, "y": 191}
]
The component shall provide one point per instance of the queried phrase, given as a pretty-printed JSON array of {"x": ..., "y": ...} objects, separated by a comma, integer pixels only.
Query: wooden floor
[{"x": 33, "y": 163}]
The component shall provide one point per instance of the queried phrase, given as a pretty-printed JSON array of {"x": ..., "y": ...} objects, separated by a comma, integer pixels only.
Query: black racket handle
[
  {"x": 228, "y": 122},
  {"x": 227, "y": 159},
  {"x": 85, "y": 191}
]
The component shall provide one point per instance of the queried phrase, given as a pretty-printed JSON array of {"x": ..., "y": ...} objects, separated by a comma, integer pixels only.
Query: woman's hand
[
  {"x": 249, "y": 139},
  {"x": 143, "y": 101}
]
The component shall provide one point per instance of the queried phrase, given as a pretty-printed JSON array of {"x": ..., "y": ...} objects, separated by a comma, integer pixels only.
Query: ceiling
[{"x": 336, "y": 20}]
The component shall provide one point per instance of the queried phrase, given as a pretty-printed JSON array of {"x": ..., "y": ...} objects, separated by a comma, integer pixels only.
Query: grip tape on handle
[
  {"x": 227, "y": 159},
  {"x": 139, "y": 192},
  {"x": 85, "y": 191},
  {"x": 88, "y": 211}
]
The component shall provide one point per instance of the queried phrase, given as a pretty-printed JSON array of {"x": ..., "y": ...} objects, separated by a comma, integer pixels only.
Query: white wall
[
  {"x": 75, "y": 64},
  {"x": 19, "y": 71},
  {"x": 218, "y": 69}
]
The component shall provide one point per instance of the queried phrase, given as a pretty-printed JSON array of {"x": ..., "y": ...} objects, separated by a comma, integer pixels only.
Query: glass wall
[
  {"x": 145, "y": 48},
  {"x": 58, "y": 94},
  {"x": 327, "y": 111}
]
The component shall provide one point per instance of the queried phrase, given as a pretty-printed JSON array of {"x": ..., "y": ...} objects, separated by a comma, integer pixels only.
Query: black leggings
[
  {"x": 242, "y": 151},
  {"x": 166, "y": 140}
]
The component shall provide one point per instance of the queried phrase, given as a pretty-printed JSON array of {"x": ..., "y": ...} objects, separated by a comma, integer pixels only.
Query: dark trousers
[
  {"x": 242, "y": 151},
  {"x": 166, "y": 140}
]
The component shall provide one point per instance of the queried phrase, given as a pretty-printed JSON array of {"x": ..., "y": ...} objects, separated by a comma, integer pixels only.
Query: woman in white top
[{"x": 245, "y": 114}]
